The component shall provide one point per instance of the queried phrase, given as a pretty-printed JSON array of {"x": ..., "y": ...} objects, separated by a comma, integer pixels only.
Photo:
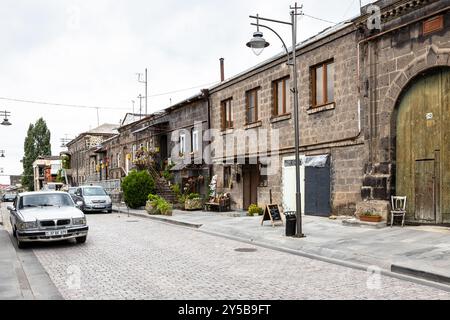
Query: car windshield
[
  {"x": 94, "y": 192},
  {"x": 45, "y": 200}
]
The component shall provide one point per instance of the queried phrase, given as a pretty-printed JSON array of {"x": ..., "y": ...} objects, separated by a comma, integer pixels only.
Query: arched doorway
[{"x": 423, "y": 147}]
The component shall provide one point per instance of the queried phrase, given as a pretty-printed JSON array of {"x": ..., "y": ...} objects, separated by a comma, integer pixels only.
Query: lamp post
[
  {"x": 2, "y": 153},
  {"x": 5, "y": 120},
  {"x": 257, "y": 44}
]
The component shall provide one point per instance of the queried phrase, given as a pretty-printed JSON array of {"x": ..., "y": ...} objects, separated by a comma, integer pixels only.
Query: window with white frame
[
  {"x": 182, "y": 143},
  {"x": 134, "y": 151},
  {"x": 118, "y": 160},
  {"x": 195, "y": 141}
]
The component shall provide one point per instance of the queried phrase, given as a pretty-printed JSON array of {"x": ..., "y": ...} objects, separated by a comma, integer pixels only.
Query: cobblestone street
[{"x": 133, "y": 258}]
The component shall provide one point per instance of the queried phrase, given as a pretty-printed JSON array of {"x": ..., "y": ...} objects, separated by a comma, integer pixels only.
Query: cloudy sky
[{"x": 88, "y": 53}]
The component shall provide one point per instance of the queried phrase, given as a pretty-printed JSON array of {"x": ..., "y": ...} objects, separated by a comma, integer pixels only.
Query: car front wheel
[
  {"x": 81, "y": 239},
  {"x": 21, "y": 244}
]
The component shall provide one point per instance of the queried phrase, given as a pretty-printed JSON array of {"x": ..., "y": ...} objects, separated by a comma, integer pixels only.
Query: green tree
[
  {"x": 37, "y": 143},
  {"x": 136, "y": 188}
]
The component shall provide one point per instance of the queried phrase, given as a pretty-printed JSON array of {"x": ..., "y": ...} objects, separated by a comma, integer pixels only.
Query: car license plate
[
  {"x": 55, "y": 233},
  {"x": 99, "y": 207}
]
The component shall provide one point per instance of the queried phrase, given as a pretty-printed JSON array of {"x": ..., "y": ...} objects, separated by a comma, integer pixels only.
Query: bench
[{"x": 221, "y": 205}]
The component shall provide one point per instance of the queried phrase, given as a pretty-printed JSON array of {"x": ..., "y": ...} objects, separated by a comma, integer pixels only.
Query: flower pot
[
  {"x": 370, "y": 218},
  {"x": 193, "y": 204},
  {"x": 151, "y": 209}
]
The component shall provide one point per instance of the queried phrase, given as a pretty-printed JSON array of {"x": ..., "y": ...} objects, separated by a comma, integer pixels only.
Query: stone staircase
[{"x": 162, "y": 187}]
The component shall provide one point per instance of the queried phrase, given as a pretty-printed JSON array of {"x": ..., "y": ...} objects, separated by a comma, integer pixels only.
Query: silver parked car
[
  {"x": 95, "y": 199},
  {"x": 47, "y": 216}
]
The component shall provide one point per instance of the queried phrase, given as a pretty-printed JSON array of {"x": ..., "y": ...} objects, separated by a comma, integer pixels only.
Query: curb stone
[{"x": 157, "y": 218}]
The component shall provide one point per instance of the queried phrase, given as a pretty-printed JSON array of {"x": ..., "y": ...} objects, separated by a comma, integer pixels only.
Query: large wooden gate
[{"x": 423, "y": 148}]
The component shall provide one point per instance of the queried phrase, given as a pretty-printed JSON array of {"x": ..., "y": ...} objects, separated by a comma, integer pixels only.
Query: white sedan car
[{"x": 47, "y": 216}]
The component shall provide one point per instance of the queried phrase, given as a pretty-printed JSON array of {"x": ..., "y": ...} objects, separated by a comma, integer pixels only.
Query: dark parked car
[{"x": 9, "y": 197}]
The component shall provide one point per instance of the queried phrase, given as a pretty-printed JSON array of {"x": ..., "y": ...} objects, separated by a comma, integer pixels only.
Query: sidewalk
[
  {"x": 21, "y": 274},
  {"x": 418, "y": 251}
]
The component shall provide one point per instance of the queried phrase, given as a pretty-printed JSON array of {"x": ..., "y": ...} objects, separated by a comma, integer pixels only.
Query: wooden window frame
[
  {"x": 275, "y": 96},
  {"x": 225, "y": 117},
  {"x": 324, "y": 66},
  {"x": 253, "y": 91}
]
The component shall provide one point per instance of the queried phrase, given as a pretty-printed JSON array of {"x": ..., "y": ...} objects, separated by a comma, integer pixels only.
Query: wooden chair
[{"x": 398, "y": 209}]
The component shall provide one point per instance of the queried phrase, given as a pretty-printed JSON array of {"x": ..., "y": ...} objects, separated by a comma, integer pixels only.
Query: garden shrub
[
  {"x": 159, "y": 205},
  {"x": 136, "y": 187},
  {"x": 193, "y": 196}
]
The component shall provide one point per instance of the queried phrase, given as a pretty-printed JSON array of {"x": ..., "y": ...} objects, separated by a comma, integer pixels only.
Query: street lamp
[
  {"x": 257, "y": 44},
  {"x": 5, "y": 120},
  {"x": 2, "y": 153}
]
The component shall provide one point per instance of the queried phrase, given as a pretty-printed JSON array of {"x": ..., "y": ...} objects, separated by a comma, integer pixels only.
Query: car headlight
[
  {"x": 27, "y": 225},
  {"x": 79, "y": 221}
]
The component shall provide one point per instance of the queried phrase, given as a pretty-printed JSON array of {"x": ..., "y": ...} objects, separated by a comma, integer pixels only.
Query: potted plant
[
  {"x": 193, "y": 202},
  {"x": 254, "y": 210},
  {"x": 152, "y": 204},
  {"x": 370, "y": 216}
]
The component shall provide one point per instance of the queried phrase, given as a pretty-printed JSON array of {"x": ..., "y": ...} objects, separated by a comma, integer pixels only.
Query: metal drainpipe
[{"x": 208, "y": 99}]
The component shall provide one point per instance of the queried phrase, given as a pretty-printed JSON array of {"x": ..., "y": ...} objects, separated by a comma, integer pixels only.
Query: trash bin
[{"x": 291, "y": 223}]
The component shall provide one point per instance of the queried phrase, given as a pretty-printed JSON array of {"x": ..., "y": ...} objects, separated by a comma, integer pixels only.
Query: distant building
[
  {"x": 45, "y": 170},
  {"x": 15, "y": 180},
  {"x": 82, "y": 153}
]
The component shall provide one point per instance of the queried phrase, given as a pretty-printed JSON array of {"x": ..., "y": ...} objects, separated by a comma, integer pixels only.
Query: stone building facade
[
  {"x": 329, "y": 130},
  {"x": 356, "y": 132},
  {"x": 83, "y": 155},
  {"x": 404, "y": 84},
  {"x": 111, "y": 157}
]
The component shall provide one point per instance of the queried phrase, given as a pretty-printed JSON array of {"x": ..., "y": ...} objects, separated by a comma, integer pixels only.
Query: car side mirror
[
  {"x": 11, "y": 208},
  {"x": 79, "y": 203}
]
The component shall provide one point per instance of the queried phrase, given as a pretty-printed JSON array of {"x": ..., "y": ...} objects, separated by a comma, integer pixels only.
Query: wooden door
[
  {"x": 425, "y": 191},
  {"x": 423, "y": 155},
  {"x": 250, "y": 175}
]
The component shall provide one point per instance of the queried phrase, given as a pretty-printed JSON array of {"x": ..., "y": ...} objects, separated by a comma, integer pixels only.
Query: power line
[
  {"x": 98, "y": 107},
  {"x": 181, "y": 90},
  {"x": 59, "y": 104},
  {"x": 320, "y": 19}
]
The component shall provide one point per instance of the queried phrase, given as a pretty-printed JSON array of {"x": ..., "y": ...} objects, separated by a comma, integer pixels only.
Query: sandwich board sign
[{"x": 272, "y": 213}]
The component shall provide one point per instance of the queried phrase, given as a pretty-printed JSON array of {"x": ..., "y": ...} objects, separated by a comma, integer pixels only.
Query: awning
[{"x": 317, "y": 161}]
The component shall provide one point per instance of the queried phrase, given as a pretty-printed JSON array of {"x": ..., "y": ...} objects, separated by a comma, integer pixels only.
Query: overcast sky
[{"x": 88, "y": 53}]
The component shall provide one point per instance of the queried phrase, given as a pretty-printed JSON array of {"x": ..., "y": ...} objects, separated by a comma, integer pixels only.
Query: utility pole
[
  {"x": 98, "y": 118},
  {"x": 140, "y": 106},
  {"x": 145, "y": 81},
  {"x": 132, "y": 101},
  {"x": 146, "y": 93}
]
